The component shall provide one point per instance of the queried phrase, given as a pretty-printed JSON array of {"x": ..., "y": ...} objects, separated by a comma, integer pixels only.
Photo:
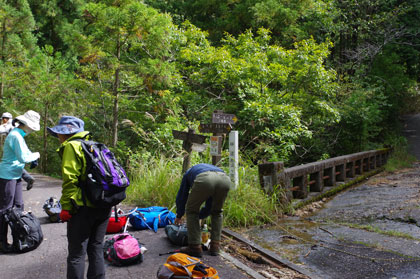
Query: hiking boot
[
  {"x": 30, "y": 185},
  {"x": 193, "y": 250},
  {"x": 5, "y": 247},
  {"x": 214, "y": 248}
]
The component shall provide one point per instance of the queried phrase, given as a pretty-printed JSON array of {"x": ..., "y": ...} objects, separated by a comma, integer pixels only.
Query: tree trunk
[
  {"x": 116, "y": 96},
  {"x": 44, "y": 159},
  {"x": 2, "y": 58}
]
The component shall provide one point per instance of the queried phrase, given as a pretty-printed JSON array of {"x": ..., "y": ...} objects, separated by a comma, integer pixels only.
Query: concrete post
[
  {"x": 329, "y": 174},
  {"x": 341, "y": 175},
  {"x": 301, "y": 183},
  {"x": 319, "y": 182},
  {"x": 350, "y": 169}
]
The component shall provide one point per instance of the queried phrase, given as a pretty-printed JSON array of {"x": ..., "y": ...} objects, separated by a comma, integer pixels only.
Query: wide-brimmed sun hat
[
  {"x": 67, "y": 125},
  {"x": 6, "y": 115},
  {"x": 30, "y": 119}
]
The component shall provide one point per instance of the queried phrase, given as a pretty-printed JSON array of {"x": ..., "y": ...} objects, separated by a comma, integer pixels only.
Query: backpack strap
[
  {"x": 116, "y": 213},
  {"x": 156, "y": 223},
  {"x": 81, "y": 183},
  {"x": 143, "y": 219},
  {"x": 185, "y": 267},
  {"x": 158, "y": 219}
]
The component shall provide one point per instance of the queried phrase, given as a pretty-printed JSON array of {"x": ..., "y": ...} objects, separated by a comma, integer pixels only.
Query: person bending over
[{"x": 202, "y": 183}]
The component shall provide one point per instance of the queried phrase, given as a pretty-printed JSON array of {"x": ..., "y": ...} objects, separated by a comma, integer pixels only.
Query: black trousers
[{"x": 85, "y": 233}]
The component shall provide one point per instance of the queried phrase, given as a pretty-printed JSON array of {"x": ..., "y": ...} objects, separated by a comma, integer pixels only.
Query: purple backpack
[
  {"x": 106, "y": 180},
  {"x": 123, "y": 249}
]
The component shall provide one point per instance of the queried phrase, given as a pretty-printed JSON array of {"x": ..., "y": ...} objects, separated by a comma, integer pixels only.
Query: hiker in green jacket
[{"x": 87, "y": 224}]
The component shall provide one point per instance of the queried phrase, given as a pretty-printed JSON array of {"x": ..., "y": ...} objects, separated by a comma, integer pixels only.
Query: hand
[
  {"x": 34, "y": 164},
  {"x": 178, "y": 221},
  {"x": 65, "y": 215}
]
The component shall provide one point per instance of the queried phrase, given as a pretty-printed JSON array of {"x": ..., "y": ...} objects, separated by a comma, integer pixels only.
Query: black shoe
[
  {"x": 5, "y": 248},
  {"x": 30, "y": 185}
]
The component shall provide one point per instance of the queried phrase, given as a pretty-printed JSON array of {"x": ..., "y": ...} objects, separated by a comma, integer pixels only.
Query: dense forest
[{"x": 307, "y": 79}]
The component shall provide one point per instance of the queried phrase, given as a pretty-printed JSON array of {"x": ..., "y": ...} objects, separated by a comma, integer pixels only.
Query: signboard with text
[
  {"x": 224, "y": 118},
  {"x": 234, "y": 157},
  {"x": 214, "y": 128},
  {"x": 215, "y": 145}
]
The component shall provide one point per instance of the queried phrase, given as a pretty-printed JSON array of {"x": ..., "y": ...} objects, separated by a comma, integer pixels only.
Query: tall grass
[
  {"x": 249, "y": 205},
  {"x": 157, "y": 182},
  {"x": 399, "y": 159},
  {"x": 154, "y": 183}
]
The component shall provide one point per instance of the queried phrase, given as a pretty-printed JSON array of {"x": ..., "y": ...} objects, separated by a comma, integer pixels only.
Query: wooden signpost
[
  {"x": 191, "y": 141},
  {"x": 221, "y": 125}
]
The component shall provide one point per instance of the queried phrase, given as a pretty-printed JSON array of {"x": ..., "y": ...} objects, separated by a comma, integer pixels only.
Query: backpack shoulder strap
[{"x": 143, "y": 219}]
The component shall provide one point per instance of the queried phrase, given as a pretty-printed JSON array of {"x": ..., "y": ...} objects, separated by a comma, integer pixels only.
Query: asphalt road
[{"x": 48, "y": 261}]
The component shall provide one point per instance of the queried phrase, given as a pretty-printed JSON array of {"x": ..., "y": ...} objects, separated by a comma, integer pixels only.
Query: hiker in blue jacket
[
  {"x": 202, "y": 183},
  {"x": 15, "y": 155},
  {"x": 5, "y": 128}
]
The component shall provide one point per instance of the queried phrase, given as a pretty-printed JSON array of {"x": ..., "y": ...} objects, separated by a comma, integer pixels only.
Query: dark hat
[{"x": 67, "y": 125}]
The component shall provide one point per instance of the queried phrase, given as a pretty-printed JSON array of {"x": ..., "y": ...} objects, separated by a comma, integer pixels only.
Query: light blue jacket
[{"x": 15, "y": 154}]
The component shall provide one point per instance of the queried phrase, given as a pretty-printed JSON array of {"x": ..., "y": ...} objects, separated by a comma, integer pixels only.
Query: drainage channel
[{"x": 270, "y": 257}]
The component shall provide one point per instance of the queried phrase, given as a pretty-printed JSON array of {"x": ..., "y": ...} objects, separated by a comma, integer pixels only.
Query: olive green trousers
[{"x": 206, "y": 185}]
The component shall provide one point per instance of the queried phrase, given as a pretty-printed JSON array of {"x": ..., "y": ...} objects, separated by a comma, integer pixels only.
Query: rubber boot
[
  {"x": 193, "y": 250},
  {"x": 214, "y": 248}
]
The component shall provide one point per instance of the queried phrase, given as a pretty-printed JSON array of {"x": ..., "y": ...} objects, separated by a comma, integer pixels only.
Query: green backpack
[{"x": 177, "y": 235}]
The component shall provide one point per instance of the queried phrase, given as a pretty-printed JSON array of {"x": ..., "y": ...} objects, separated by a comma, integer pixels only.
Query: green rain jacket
[{"x": 73, "y": 168}]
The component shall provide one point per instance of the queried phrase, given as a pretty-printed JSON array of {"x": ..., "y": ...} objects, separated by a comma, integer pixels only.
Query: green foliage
[
  {"x": 400, "y": 157},
  {"x": 290, "y": 21},
  {"x": 273, "y": 91},
  {"x": 17, "y": 43},
  {"x": 58, "y": 25},
  {"x": 296, "y": 20},
  {"x": 127, "y": 64}
]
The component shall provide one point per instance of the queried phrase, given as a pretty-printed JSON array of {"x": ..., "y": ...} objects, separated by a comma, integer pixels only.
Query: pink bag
[{"x": 123, "y": 249}]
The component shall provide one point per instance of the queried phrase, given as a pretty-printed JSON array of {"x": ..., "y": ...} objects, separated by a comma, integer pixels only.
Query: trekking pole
[{"x": 170, "y": 252}]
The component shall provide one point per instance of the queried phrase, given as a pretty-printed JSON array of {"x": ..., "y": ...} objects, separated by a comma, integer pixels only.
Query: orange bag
[{"x": 181, "y": 265}]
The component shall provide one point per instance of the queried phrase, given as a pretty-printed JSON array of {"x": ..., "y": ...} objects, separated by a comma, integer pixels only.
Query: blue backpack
[
  {"x": 106, "y": 180},
  {"x": 152, "y": 218}
]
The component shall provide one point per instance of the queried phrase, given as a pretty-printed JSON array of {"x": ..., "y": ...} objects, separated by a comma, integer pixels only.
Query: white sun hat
[
  {"x": 30, "y": 119},
  {"x": 6, "y": 115}
]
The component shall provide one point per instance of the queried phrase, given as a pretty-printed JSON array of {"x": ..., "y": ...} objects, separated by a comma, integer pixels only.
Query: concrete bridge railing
[{"x": 298, "y": 181}]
